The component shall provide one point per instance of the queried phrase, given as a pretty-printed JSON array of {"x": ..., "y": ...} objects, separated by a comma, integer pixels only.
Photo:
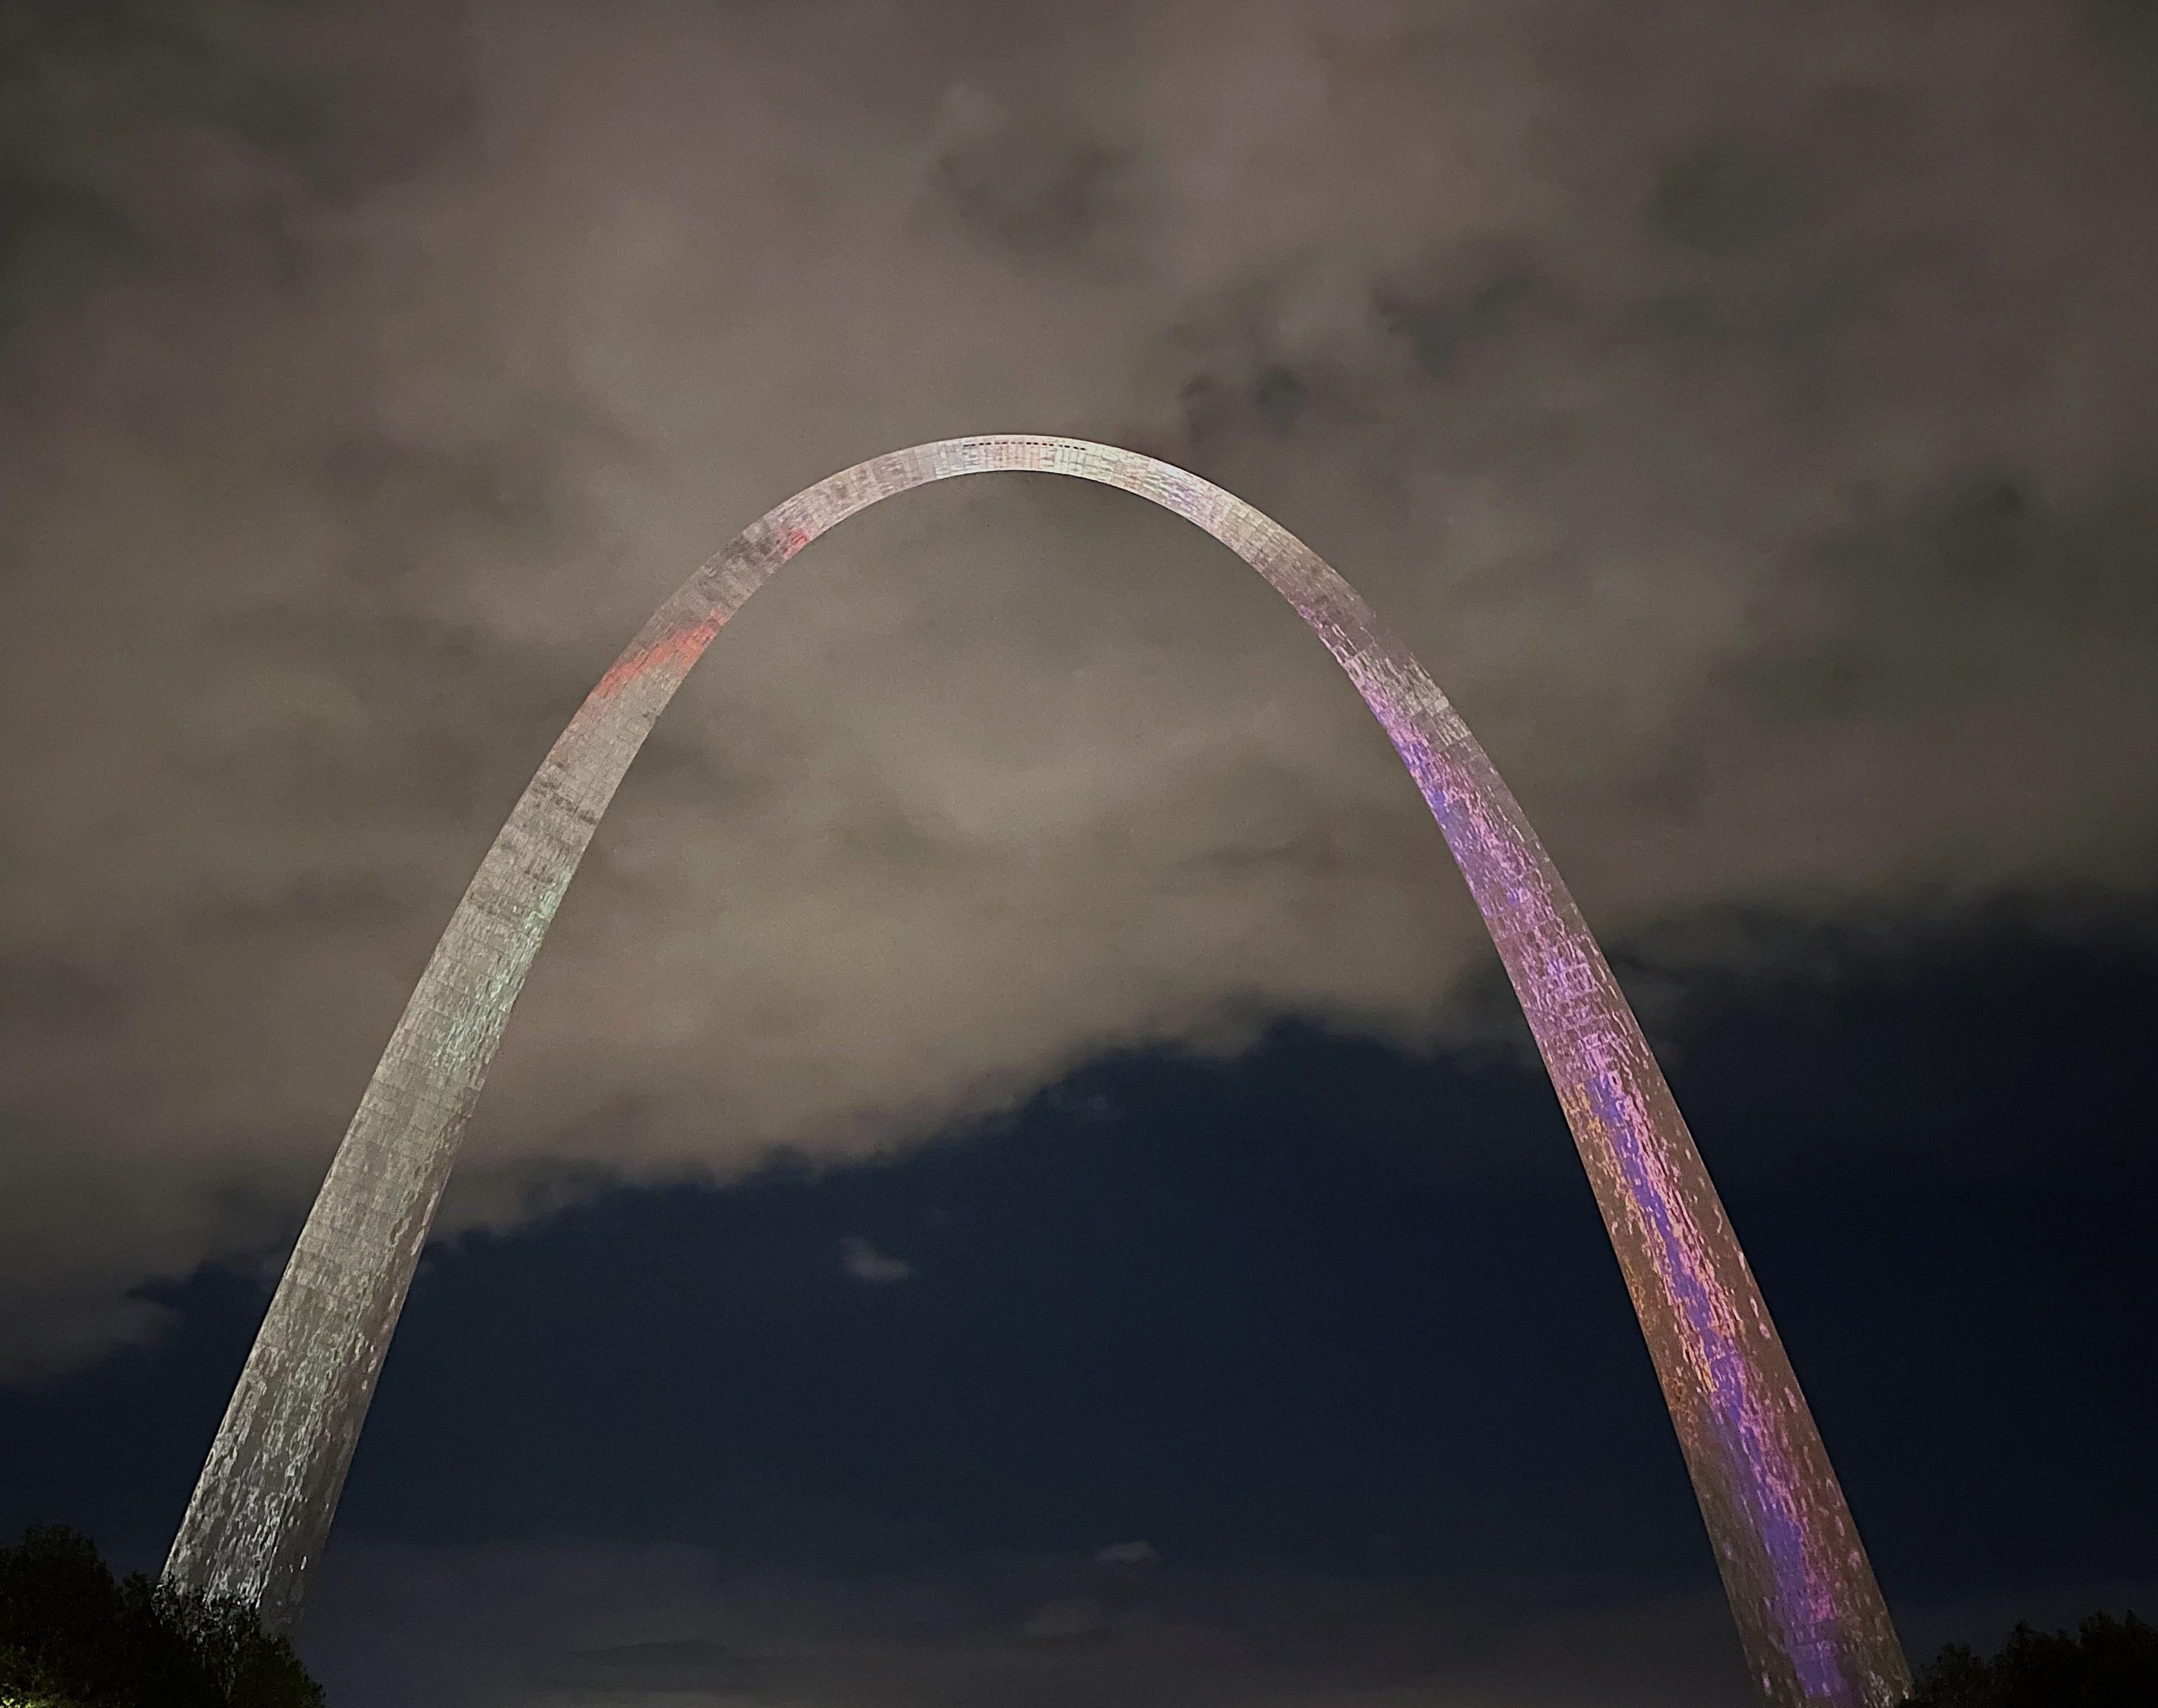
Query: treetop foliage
[
  {"x": 2109, "y": 1662},
  {"x": 74, "y": 1636}
]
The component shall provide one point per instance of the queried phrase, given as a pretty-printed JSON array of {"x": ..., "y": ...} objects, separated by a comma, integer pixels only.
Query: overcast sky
[{"x": 1749, "y": 414}]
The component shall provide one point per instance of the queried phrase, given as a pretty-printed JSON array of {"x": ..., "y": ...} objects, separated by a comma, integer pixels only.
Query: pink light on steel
[{"x": 1815, "y": 1628}]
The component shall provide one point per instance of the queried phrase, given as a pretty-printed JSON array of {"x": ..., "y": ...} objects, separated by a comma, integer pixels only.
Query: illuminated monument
[{"x": 1815, "y": 1628}]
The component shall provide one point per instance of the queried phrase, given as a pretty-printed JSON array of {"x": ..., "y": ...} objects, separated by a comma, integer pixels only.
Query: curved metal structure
[{"x": 1814, "y": 1626}]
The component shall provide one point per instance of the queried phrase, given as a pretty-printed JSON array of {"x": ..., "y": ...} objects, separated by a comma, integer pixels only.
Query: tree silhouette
[
  {"x": 74, "y": 1636},
  {"x": 2109, "y": 1662}
]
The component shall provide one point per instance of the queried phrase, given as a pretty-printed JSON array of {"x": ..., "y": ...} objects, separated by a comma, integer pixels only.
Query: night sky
[{"x": 1017, "y": 1178}]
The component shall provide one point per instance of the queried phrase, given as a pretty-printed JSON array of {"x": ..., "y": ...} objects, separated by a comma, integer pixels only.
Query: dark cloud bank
[{"x": 1748, "y": 415}]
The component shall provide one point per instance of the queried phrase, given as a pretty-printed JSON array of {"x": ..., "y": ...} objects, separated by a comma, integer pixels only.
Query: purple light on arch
[{"x": 1811, "y": 1617}]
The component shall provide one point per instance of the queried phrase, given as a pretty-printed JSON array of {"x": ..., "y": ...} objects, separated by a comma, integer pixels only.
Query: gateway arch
[{"x": 1811, "y": 1619}]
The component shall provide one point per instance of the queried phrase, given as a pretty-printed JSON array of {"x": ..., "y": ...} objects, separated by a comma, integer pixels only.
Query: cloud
[
  {"x": 1065, "y": 1618},
  {"x": 1748, "y": 419},
  {"x": 565, "y": 1628},
  {"x": 864, "y": 1263}
]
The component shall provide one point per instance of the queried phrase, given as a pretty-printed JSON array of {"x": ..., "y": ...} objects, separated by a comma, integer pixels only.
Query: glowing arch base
[{"x": 1814, "y": 1626}]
